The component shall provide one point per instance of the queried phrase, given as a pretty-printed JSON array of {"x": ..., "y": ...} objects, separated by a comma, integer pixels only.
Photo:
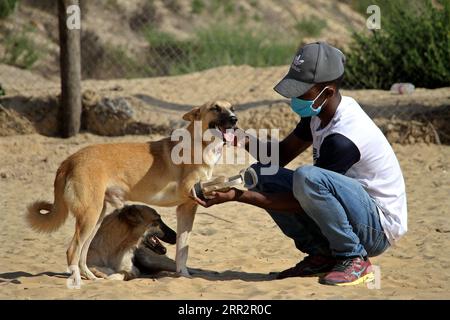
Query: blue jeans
[{"x": 339, "y": 218}]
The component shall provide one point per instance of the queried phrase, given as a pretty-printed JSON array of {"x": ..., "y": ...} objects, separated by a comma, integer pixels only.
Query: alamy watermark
[
  {"x": 73, "y": 21},
  {"x": 376, "y": 282},
  {"x": 373, "y": 22}
]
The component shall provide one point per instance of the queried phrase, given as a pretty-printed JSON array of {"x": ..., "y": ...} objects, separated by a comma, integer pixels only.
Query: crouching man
[{"x": 351, "y": 204}]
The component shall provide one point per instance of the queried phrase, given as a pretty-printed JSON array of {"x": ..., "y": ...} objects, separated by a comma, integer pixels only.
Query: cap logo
[{"x": 297, "y": 62}]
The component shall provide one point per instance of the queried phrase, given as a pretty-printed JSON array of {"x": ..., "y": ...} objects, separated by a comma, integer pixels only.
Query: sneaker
[
  {"x": 349, "y": 272},
  {"x": 311, "y": 266}
]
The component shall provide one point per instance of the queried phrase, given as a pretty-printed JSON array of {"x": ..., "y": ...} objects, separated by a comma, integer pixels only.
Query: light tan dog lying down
[
  {"x": 111, "y": 254},
  {"x": 141, "y": 172}
]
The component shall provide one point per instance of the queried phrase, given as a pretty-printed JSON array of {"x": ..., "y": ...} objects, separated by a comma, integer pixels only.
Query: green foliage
[
  {"x": 214, "y": 5},
  {"x": 132, "y": 68},
  {"x": 386, "y": 6},
  {"x": 413, "y": 45},
  {"x": 112, "y": 4},
  {"x": 253, "y": 3},
  {"x": 215, "y": 46},
  {"x": 20, "y": 50},
  {"x": 197, "y": 6},
  {"x": 257, "y": 17},
  {"x": 310, "y": 27},
  {"x": 158, "y": 38},
  {"x": 7, "y": 7},
  {"x": 228, "y": 7}
]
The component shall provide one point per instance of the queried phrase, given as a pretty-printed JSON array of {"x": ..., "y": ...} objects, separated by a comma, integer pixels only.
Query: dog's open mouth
[
  {"x": 227, "y": 132},
  {"x": 153, "y": 243}
]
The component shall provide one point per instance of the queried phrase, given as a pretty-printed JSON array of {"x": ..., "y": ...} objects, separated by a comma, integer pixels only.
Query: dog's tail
[{"x": 55, "y": 213}]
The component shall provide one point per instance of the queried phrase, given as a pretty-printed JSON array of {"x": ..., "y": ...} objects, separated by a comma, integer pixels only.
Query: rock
[
  {"x": 108, "y": 117},
  {"x": 90, "y": 99},
  {"x": 12, "y": 122}
]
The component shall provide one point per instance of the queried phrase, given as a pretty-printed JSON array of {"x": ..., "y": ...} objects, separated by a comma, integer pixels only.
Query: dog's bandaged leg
[
  {"x": 74, "y": 281},
  {"x": 185, "y": 220}
]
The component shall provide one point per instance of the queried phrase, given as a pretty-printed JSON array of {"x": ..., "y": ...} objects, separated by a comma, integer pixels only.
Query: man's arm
[
  {"x": 282, "y": 202},
  {"x": 338, "y": 153},
  {"x": 290, "y": 147}
]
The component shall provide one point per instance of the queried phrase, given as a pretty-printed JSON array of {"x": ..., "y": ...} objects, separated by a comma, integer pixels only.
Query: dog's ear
[
  {"x": 131, "y": 215},
  {"x": 192, "y": 115}
]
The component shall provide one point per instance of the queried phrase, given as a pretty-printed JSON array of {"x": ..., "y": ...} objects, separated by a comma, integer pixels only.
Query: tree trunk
[{"x": 69, "y": 42}]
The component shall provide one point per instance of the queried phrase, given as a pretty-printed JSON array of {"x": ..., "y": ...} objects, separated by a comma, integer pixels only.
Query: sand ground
[{"x": 236, "y": 245}]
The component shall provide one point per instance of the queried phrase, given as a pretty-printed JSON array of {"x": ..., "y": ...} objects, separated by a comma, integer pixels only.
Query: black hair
[{"x": 338, "y": 81}]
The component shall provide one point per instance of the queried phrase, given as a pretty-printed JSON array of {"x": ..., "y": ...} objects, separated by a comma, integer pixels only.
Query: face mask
[{"x": 304, "y": 108}]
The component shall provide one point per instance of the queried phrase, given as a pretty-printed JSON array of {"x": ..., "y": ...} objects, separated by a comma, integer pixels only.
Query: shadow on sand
[
  {"x": 13, "y": 277},
  {"x": 210, "y": 275}
]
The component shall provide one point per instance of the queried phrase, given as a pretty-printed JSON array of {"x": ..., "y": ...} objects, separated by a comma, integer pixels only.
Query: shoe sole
[{"x": 366, "y": 278}]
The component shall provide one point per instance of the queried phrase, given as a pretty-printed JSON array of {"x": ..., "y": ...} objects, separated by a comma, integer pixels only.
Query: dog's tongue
[
  {"x": 229, "y": 136},
  {"x": 155, "y": 245}
]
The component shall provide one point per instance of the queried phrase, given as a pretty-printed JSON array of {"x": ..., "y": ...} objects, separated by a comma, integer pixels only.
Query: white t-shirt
[{"x": 377, "y": 170}]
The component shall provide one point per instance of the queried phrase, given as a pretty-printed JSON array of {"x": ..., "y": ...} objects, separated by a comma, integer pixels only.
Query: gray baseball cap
[{"x": 314, "y": 63}]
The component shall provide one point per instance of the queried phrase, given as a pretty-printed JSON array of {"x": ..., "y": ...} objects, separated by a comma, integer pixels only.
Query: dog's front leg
[{"x": 185, "y": 220}]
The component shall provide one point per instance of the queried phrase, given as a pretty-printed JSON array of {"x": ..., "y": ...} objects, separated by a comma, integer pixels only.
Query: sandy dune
[{"x": 236, "y": 245}]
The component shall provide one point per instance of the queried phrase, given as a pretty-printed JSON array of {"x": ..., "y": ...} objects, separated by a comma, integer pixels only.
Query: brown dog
[
  {"x": 142, "y": 172},
  {"x": 111, "y": 254}
]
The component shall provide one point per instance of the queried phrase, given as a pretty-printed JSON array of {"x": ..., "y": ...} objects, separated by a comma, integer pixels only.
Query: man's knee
[
  {"x": 265, "y": 180},
  {"x": 304, "y": 179}
]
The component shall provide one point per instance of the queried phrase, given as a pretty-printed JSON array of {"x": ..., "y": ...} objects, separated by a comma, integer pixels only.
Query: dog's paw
[
  {"x": 100, "y": 275},
  {"x": 74, "y": 281},
  {"x": 116, "y": 276},
  {"x": 86, "y": 273}
]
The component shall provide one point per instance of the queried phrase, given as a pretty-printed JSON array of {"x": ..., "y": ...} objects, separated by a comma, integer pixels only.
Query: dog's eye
[
  {"x": 232, "y": 109},
  {"x": 216, "y": 108}
]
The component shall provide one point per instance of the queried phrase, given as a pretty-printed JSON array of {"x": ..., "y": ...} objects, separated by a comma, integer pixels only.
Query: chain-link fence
[{"x": 174, "y": 53}]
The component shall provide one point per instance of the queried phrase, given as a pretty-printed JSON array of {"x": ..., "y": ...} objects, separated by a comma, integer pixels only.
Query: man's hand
[{"x": 220, "y": 197}]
